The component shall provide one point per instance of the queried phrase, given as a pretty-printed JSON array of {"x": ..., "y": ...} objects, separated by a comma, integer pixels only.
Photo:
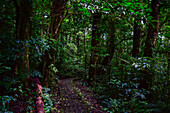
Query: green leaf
[
  {"x": 149, "y": 17},
  {"x": 91, "y": 8},
  {"x": 106, "y": 9},
  {"x": 55, "y": 69},
  {"x": 128, "y": 4},
  {"x": 66, "y": 60},
  {"x": 8, "y": 68},
  {"x": 87, "y": 13},
  {"x": 88, "y": 1},
  {"x": 84, "y": 9}
]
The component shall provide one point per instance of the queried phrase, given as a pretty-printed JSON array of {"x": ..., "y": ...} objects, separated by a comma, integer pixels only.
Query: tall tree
[
  {"x": 150, "y": 43},
  {"x": 23, "y": 31},
  {"x": 57, "y": 16},
  {"x": 152, "y": 29},
  {"x": 94, "y": 46},
  {"x": 136, "y": 37},
  {"x": 137, "y": 32},
  {"x": 110, "y": 48}
]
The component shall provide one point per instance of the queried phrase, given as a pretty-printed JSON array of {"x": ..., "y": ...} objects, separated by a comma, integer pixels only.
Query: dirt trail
[{"x": 70, "y": 102}]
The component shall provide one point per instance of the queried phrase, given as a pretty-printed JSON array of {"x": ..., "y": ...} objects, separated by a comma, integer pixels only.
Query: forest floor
[{"x": 73, "y": 97}]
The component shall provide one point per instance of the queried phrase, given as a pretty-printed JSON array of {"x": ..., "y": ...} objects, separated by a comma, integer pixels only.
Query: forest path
[{"x": 71, "y": 101}]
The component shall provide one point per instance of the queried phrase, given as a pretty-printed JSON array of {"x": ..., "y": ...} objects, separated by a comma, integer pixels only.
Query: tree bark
[
  {"x": 57, "y": 15},
  {"x": 94, "y": 46},
  {"x": 150, "y": 43},
  {"x": 23, "y": 33},
  {"x": 136, "y": 37},
  {"x": 110, "y": 49},
  {"x": 137, "y": 33},
  {"x": 153, "y": 29}
]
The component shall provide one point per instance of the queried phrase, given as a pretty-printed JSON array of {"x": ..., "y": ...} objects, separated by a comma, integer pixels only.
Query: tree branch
[{"x": 61, "y": 21}]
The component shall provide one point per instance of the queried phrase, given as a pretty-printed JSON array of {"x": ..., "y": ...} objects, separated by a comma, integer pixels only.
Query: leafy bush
[{"x": 122, "y": 92}]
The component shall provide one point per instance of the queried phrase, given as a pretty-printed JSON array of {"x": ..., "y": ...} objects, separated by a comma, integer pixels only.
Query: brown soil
[{"x": 71, "y": 102}]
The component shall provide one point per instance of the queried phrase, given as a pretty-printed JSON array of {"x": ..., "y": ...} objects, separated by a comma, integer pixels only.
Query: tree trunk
[
  {"x": 110, "y": 50},
  {"x": 85, "y": 56},
  {"x": 153, "y": 29},
  {"x": 78, "y": 55},
  {"x": 137, "y": 33},
  {"x": 94, "y": 46},
  {"x": 151, "y": 42},
  {"x": 136, "y": 37},
  {"x": 23, "y": 33},
  {"x": 57, "y": 15}
]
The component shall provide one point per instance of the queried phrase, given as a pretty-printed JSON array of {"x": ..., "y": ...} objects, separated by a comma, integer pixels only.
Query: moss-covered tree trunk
[{"x": 23, "y": 33}]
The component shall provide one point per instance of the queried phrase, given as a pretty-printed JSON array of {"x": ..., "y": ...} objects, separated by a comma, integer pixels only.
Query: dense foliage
[{"x": 119, "y": 48}]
